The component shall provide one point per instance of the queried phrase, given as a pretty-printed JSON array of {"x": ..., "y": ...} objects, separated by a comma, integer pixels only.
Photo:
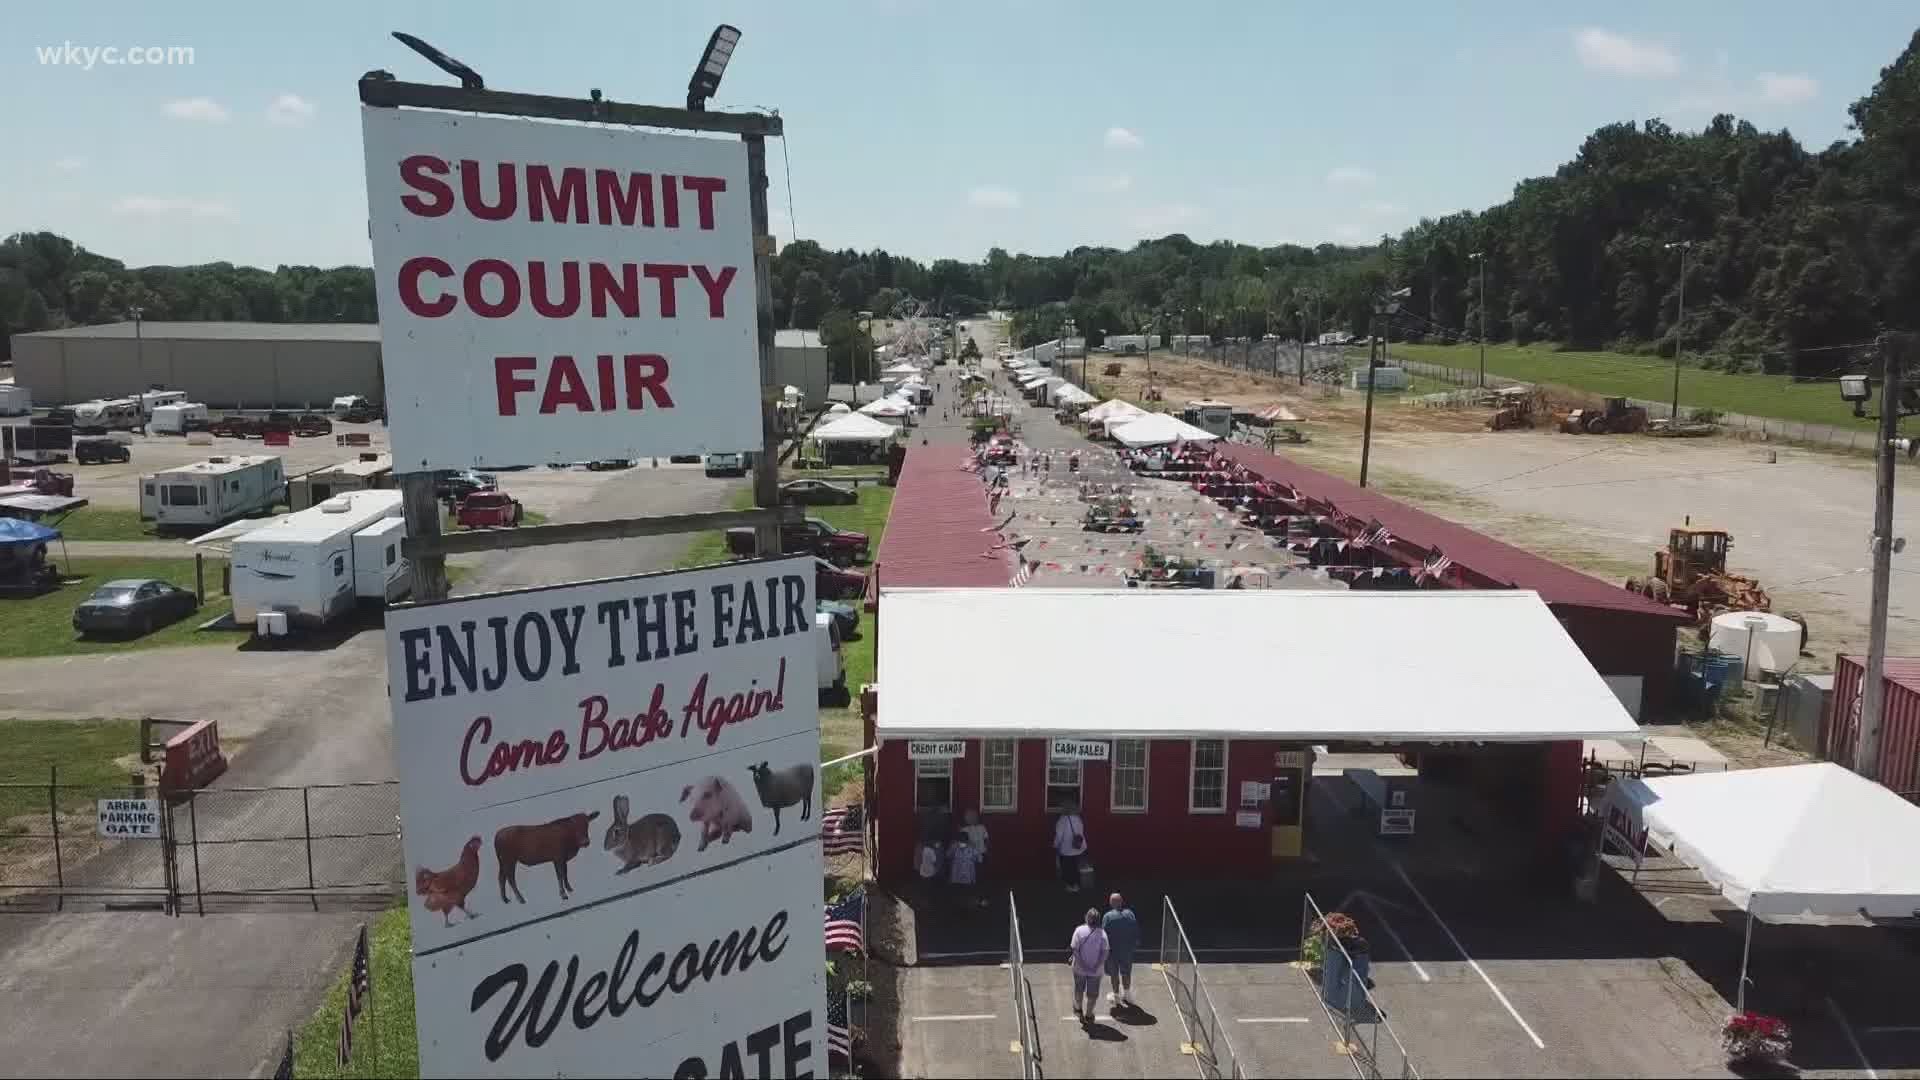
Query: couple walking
[{"x": 1104, "y": 943}]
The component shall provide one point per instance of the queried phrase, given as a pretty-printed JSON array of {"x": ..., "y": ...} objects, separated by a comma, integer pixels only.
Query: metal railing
[
  {"x": 52, "y": 852},
  {"x": 1028, "y": 1038},
  {"x": 1206, "y": 1034},
  {"x": 1346, "y": 995}
]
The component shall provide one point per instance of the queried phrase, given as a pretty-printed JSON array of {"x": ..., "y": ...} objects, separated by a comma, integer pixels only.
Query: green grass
[
  {"x": 105, "y": 523},
  {"x": 43, "y": 625},
  {"x": 387, "y": 1029},
  {"x": 83, "y": 751},
  {"x": 1651, "y": 378},
  {"x": 711, "y": 547}
]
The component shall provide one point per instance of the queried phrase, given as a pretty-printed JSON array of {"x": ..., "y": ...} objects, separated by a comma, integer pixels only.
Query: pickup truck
[
  {"x": 488, "y": 510},
  {"x": 811, "y": 536}
]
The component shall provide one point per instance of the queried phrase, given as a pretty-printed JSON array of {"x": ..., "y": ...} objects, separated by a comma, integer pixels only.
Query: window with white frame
[
  {"x": 933, "y": 784},
  {"x": 999, "y": 774},
  {"x": 1129, "y": 775},
  {"x": 1207, "y": 777},
  {"x": 1063, "y": 786}
]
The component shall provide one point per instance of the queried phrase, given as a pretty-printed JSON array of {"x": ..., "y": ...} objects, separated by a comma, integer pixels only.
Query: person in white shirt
[
  {"x": 1069, "y": 844},
  {"x": 976, "y": 835}
]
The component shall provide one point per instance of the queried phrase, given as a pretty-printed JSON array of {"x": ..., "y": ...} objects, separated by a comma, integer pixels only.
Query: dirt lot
[{"x": 1603, "y": 503}]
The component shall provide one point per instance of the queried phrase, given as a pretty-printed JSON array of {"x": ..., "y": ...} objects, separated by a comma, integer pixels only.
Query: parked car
[
  {"x": 133, "y": 606},
  {"x": 810, "y": 536},
  {"x": 832, "y": 582},
  {"x": 312, "y": 425},
  {"x": 99, "y": 451},
  {"x": 684, "y": 459},
  {"x": 845, "y": 616},
  {"x": 453, "y": 485},
  {"x": 488, "y": 510},
  {"x": 607, "y": 464},
  {"x": 364, "y": 414},
  {"x": 58, "y": 416},
  {"x": 235, "y": 427},
  {"x": 726, "y": 464},
  {"x": 817, "y": 493}
]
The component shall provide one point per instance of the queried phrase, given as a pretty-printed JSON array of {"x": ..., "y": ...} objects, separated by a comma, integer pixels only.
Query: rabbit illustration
[{"x": 652, "y": 839}]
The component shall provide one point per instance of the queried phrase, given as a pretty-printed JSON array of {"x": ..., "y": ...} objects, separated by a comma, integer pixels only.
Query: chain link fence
[
  {"x": 1206, "y": 1032},
  {"x": 53, "y": 853}
]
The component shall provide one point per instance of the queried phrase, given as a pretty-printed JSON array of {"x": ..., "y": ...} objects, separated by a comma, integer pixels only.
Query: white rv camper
[
  {"x": 150, "y": 400},
  {"x": 315, "y": 565},
  {"x": 369, "y": 471},
  {"x": 213, "y": 491},
  {"x": 171, "y": 418},
  {"x": 119, "y": 414},
  {"x": 15, "y": 400}
]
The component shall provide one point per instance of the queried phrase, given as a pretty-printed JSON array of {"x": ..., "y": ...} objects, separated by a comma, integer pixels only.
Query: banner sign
[
  {"x": 610, "y": 803},
  {"x": 936, "y": 749},
  {"x": 1080, "y": 750},
  {"x": 560, "y": 292}
]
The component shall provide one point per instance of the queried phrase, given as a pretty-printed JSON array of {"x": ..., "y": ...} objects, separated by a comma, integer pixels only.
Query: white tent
[
  {"x": 1159, "y": 428},
  {"x": 886, "y": 406},
  {"x": 1115, "y": 409},
  {"x": 854, "y": 427},
  {"x": 1814, "y": 839},
  {"x": 838, "y": 407},
  {"x": 901, "y": 369},
  {"x": 1069, "y": 394}
]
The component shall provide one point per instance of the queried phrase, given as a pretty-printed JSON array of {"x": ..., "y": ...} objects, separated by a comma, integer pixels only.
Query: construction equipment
[
  {"x": 1515, "y": 408},
  {"x": 1110, "y": 370},
  {"x": 1692, "y": 574},
  {"x": 1617, "y": 418}
]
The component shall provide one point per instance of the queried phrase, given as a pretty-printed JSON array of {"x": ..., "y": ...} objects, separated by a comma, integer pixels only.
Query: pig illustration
[{"x": 718, "y": 809}]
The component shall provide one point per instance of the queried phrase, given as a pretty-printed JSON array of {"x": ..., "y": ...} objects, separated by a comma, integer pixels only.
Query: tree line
[{"x": 1780, "y": 252}]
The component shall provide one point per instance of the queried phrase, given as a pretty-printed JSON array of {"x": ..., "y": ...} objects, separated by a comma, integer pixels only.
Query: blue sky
[{"x": 933, "y": 130}]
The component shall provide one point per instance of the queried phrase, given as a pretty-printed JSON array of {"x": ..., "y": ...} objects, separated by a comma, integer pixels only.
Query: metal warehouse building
[{"x": 222, "y": 364}]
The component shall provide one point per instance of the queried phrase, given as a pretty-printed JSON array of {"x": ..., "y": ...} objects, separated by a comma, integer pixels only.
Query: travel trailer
[
  {"x": 174, "y": 417},
  {"x": 15, "y": 400},
  {"x": 368, "y": 472},
  {"x": 317, "y": 564},
  {"x": 151, "y": 400},
  {"x": 1215, "y": 417},
  {"x": 213, "y": 491},
  {"x": 120, "y": 414}
]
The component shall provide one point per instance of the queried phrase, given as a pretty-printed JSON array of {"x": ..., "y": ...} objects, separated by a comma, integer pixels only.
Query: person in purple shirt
[{"x": 1088, "y": 956}]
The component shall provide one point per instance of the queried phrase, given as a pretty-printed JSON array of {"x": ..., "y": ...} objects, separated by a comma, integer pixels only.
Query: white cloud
[
  {"x": 1108, "y": 184},
  {"x": 990, "y": 197},
  {"x": 159, "y": 206},
  {"x": 1352, "y": 176},
  {"x": 1119, "y": 138},
  {"x": 1777, "y": 89},
  {"x": 1383, "y": 208},
  {"x": 1160, "y": 220},
  {"x": 70, "y": 164},
  {"x": 202, "y": 109},
  {"x": 289, "y": 110},
  {"x": 1617, "y": 54}
]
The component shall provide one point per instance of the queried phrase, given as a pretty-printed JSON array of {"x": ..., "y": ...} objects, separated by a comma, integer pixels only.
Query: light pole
[
  {"x": 1383, "y": 311},
  {"x": 1302, "y": 316},
  {"x": 137, "y": 313},
  {"x": 1066, "y": 335},
  {"x": 1679, "y": 327},
  {"x": 1481, "y": 258},
  {"x": 868, "y": 316}
]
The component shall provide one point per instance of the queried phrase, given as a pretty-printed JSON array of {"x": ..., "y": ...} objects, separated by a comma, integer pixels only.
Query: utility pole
[
  {"x": 1894, "y": 353},
  {"x": 1679, "y": 325},
  {"x": 1302, "y": 316},
  {"x": 1481, "y": 258},
  {"x": 1366, "y": 430}
]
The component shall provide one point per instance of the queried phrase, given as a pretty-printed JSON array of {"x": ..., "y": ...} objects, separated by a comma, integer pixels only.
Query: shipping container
[{"x": 1899, "y": 720}]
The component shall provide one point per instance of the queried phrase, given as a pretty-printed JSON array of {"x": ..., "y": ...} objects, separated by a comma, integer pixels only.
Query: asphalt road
[{"x": 116, "y": 994}]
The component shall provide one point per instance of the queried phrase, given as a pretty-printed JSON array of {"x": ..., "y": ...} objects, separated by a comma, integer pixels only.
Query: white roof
[
  {"x": 886, "y": 406},
  {"x": 350, "y": 512},
  {"x": 1114, "y": 410},
  {"x": 1156, "y": 428},
  {"x": 1283, "y": 664},
  {"x": 210, "y": 467},
  {"x": 373, "y": 466},
  {"x": 1812, "y": 839},
  {"x": 902, "y": 368},
  {"x": 853, "y": 427}
]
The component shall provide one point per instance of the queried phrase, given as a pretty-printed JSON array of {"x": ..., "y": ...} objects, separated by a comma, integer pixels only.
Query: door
[{"x": 1287, "y": 793}]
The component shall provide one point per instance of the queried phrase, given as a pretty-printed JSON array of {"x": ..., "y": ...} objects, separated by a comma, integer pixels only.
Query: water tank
[{"x": 1767, "y": 642}]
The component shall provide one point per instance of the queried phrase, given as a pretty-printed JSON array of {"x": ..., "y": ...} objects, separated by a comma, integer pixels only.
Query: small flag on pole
[
  {"x": 843, "y": 831},
  {"x": 843, "y": 923},
  {"x": 839, "y": 1039},
  {"x": 359, "y": 983}
]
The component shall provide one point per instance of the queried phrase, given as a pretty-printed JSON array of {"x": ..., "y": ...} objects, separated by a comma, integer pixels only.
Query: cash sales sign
[{"x": 558, "y": 292}]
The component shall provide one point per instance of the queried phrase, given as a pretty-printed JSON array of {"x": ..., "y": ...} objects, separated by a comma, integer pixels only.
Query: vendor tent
[
  {"x": 1815, "y": 839},
  {"x": 1069, "y": 394},
  {"x": 1115, "y": 409},
  {"x": 1157, "y": 429},
  {"x": 24, "y": 535},
  {"x": 901, "y": 369},
  {"x": 854, "y": 427},
  {"x": 1277, "y": 414},
  {"x": 887, "y": 406},
  {"x": 838, "y": 407}
]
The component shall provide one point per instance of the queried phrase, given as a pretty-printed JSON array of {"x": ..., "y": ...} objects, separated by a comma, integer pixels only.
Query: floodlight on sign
[{"x": 713, "y": 64}]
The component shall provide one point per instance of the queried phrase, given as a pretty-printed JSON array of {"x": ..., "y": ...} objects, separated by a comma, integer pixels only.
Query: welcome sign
[{"x": 610, "y": 799}]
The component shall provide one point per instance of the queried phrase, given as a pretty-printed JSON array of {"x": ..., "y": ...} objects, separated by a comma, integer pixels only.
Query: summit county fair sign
[
  {"x": 610, "y": 808},
  {"x": 559, "y": 292}
]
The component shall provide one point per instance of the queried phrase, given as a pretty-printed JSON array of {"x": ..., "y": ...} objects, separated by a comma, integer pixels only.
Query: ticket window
[{"x": 1287, "y": 797}]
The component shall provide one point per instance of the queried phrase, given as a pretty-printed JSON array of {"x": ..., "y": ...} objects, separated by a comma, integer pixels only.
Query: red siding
[
  {"x": 1167, "y": 839},
  {"x": 1625, "y": 643},
  {"x": 1899, "y": 720}
]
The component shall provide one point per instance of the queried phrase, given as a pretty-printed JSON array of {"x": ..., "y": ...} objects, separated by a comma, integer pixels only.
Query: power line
[{"x": 1541, "y": 468}]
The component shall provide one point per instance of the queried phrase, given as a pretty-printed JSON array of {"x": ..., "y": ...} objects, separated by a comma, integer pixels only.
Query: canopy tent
[
  {"x": 839, "y": 407},
  {"x": 854, "y": 427},
  {"x": 1159, "y": 428},
  {"x": 902, "y": 368},
  {"x": 1115, "y": 409},
  {"x": 1815, "y": 839},
  {"x": 1069, "y": 394},
  {"x": 886, "y": 406},
  {"x": 1277, "y": 413},
  {"x": 21, "y": 533}
]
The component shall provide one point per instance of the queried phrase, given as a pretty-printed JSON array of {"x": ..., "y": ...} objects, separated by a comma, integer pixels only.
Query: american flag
[
  {"x": 839, "y": 1039},
  {"x": 843, "y": 831},
  {"x": 843, "y": 923},
  {"x": 359, "y": 985}
]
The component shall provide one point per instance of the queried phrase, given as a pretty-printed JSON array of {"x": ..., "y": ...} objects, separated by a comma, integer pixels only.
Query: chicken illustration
[{"x": 447, "y": 889}]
